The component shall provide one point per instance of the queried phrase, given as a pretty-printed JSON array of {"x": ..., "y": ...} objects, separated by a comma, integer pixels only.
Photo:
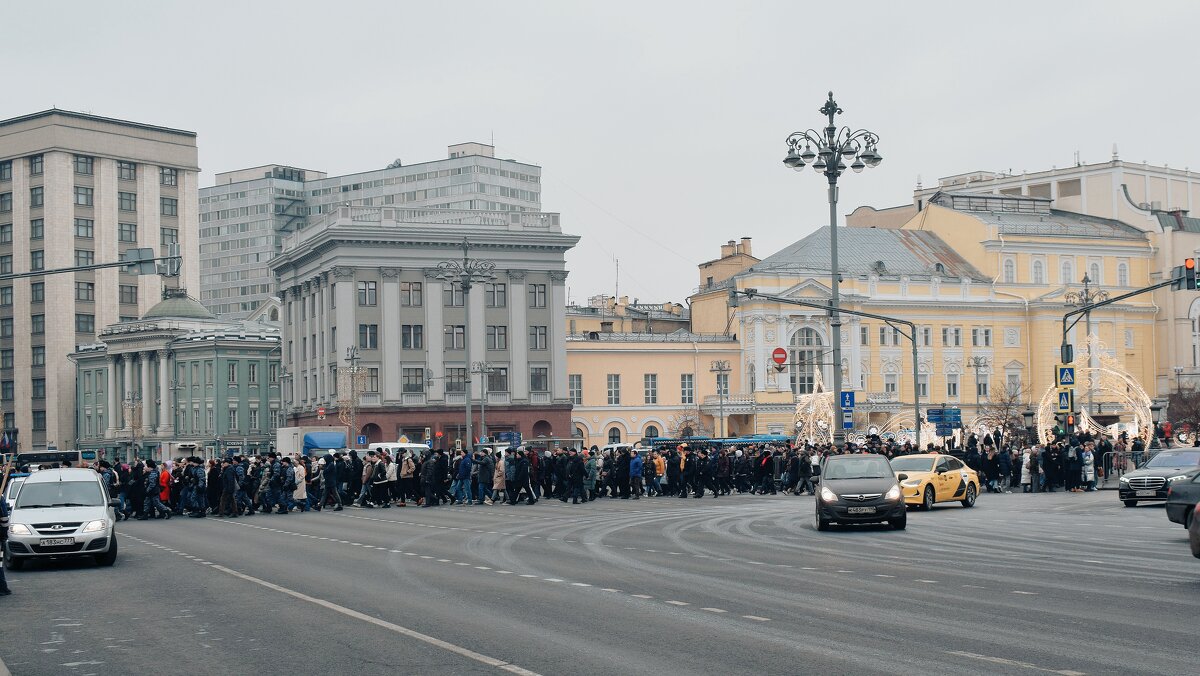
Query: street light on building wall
[
  {"x": 721, "y": 367},
  {"x": 466, "y": 273},
  {"x": 828, "y": 150}
]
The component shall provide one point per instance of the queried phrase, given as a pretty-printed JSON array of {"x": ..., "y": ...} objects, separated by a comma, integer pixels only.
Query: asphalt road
[{"x": 1061, "y": 583}]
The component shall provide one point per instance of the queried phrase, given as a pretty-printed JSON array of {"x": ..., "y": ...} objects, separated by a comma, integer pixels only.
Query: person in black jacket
[
  {"x": 152, "y": 504},
  {"x": 691, "y": 472},
  {"x": 229, "y": 487},
  {"x": 574, "y": 477},
  {"x": 333, "y": 479},
  {"x": 674, "y": 474},
  {"x": 135, "y": 489},
  {"x": 520, "y": 478},
  {"x": 804, "y": 472}
]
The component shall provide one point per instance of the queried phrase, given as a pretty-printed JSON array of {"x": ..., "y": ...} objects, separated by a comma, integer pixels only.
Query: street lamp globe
[
  {"x": 808, "y": 155},
  {"x": 858, "y": 165}
]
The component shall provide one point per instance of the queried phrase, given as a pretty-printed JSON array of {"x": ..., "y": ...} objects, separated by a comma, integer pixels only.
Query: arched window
[
  {"x": 686, "y": 432},
  {"x": 578, "y": 433},
  {"x": 1039, "y": 273},
  {"x": 651, "y": 431},
  {"x": 1122, "y": 274},
  {"x": 805, "y": 356},
  {"x": 614, "y": 435},
  {"x": 1094, "y": 273},
  {"x": 1010, "y": 271},
  {"x": 1067, "y": 272}
]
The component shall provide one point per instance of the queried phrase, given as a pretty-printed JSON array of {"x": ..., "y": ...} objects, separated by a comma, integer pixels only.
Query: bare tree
[
  {"x": 688, "y": 419},
  {"x": 1004, "y": 410},
  {"x": 1183, "y": 410}
]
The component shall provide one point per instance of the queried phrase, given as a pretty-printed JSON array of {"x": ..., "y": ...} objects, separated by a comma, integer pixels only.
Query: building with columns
[
  {"x": 178, "y": 374},
  {"x": 76, "y": 190},
  {"x": 363, "y": 282}
]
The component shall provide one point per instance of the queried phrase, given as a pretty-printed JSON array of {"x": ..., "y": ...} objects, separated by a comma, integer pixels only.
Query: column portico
[{"x": 166, "y": 423}]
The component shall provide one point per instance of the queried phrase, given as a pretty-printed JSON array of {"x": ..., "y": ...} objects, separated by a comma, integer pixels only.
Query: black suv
[
  {"x": 1151, "y": 481},
  {"x": 860, "y": 489}
]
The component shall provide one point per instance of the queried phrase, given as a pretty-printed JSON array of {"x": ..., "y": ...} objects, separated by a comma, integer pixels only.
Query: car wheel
[
  {"x": 1130, "y": 503},
  {"x": 13, "y": 563},
  {"x": 927, "y": 499},
  {"x": 1187, "y": 518},
  {"x": 899, "y": 524},
  {"x": 822, "y": 524},
  {"x": 110, "y": 557},
  {"x": 972, "y": 493}
]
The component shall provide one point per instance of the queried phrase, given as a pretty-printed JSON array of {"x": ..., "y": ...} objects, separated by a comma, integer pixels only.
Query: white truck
[{"x": 309, "y": 438}]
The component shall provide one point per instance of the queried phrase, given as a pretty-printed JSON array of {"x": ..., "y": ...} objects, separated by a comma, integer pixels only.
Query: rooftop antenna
[
  {"x": 1115, "y": 156},
  {"x": 1077, "y": 163},
  {"x": 617, "y": 283},
  {"x": 918, "y": 181}
]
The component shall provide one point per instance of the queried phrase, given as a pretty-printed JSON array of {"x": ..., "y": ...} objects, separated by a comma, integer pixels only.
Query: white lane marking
[
  {"x": 679, "y": 603},
  {"x": 713, "y": 610},
  {"x": 461, "y": 563},
  {"x": 927, "y": 581},
  {"x": 504, "y": 572},
  {"x": 609, "y": 589},
  {"x": 482, "y": 568},
  {"x": 1013, "y": 663},
  {"x": 1026, "y": 593},
  {"x": 404, "y": 631},
  {"x": 443, "y": 560},
  {"x": 580, "y": 584},
  {"x": 882, "y": 575},
  {"x": 642, "y": 596},
  {"x": 528, "y": 575},
  {"x": 756, "y": 618},
  {"x": 552, "y": 579},
  {"x": 973, "y": 586}
]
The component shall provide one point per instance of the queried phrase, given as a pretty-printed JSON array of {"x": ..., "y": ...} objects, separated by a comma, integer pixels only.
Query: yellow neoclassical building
[{"x": 986, "y": 278}]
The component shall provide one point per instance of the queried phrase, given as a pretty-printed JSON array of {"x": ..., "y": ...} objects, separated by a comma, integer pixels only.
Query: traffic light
[
  {"x": 1189, "y": 273},
  {"x": 1070, "y": 420}
]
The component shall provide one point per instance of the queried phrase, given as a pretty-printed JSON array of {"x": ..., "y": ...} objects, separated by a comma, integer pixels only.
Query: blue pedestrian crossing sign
[
  {"x": 1065, "y": 375},
  {"x": 848, "y": 399},
  {"x": 362, "y": 439},
  {"x": 1066, "y": 400}
]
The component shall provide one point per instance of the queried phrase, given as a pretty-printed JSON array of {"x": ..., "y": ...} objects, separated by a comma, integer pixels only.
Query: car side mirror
[
  {"x": 114, "y": 503},
  {"x": 901, "y": 477}
]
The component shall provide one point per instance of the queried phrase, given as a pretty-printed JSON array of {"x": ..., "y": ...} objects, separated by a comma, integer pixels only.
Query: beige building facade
[{"x": 78, "y": 189}]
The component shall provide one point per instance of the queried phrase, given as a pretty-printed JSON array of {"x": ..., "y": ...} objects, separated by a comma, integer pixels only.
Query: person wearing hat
[{"x": 152, "y": 505}]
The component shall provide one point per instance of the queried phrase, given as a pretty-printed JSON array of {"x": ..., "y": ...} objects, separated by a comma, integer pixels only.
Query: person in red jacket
[{"x": 164, "y": 483}]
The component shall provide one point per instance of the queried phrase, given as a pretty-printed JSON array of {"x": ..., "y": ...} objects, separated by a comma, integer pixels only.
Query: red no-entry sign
[{"x": 779, "y": 356}]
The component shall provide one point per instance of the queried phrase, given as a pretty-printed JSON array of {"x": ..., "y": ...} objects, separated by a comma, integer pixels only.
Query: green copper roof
[{"x": 176, "y": 304}]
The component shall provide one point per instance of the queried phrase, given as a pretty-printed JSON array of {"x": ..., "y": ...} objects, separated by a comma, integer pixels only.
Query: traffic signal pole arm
[
  {"x": 894, "y": 322},
  {"x": 1079, "y": 312},
  {"x": 84, "y": 268}
]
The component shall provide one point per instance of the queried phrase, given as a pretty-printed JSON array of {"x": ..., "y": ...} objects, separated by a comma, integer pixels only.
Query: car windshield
[
  {"x": 1175, "y": 459},
  {"x": 862, "y": 467},
  {"x": 60, "y": 494},
  {"x": 911, "y": 464}
]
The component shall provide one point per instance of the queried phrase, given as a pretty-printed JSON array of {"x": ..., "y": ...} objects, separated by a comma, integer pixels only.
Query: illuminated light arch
[{"x": 1107, "y": 379}]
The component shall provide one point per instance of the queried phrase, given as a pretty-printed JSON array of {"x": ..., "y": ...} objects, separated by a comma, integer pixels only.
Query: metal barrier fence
[{"x": 1114, "y": 464}]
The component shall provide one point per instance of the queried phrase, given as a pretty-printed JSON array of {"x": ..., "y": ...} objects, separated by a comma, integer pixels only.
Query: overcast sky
[{"x": 659, "y": 125}]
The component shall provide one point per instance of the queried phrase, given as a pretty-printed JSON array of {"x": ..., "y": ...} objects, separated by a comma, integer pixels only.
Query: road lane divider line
[{"x": 1013, "y": 663}]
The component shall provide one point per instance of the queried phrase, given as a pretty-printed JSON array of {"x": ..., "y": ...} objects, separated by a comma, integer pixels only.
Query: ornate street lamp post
[
  {"x": 828, "y": 151},
  {"x": 721, "y": 368},
  {"x": 1080, "y": 299},
  {"x": 466, "y": 273}
]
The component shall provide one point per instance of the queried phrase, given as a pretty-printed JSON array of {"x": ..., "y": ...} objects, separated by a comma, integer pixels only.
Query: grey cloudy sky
[{"x": 659, "y": 125}]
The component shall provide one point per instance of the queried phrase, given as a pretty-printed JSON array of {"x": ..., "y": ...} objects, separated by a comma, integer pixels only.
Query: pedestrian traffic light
[
  {"x": 1189, "y": 273},
  {"x": 1070, "y": 420}
]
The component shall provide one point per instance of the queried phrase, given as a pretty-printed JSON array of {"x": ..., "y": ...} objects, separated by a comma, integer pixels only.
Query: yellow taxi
[{"x": 931, "y": 478}]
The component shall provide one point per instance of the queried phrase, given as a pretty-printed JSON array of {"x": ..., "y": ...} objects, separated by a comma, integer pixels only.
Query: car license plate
[
  {"x": 860, "y": 510},
  {"x": 57, "y": 542},
  {"x": 1147, "y": 494}
]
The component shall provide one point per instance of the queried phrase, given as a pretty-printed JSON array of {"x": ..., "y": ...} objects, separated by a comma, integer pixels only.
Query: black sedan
[
  {"x": 860, "y": 489},
  {"x": 1151, "y": 480},
  {"x": 1182, "y": 496}
]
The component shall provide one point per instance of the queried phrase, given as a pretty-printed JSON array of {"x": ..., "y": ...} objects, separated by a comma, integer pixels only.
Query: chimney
[
  {"x": 728, "y": 249},
  {"x": 745, "y": 247}
]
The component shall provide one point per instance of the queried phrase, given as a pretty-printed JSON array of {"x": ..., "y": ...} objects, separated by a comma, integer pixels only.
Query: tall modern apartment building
[
  {"x": 244, "y": 217},
  {"x": 78, "y": 189}
]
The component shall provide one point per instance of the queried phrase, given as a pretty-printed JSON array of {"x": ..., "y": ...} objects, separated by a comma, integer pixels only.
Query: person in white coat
[
  {"x": 1089, "y": 467},
  {"x": 1026, "y": 477},
  {"x": 300, "y": 495}
]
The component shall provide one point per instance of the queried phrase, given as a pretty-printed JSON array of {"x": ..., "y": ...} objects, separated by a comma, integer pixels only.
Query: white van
[{"x": 62, "y": 513}]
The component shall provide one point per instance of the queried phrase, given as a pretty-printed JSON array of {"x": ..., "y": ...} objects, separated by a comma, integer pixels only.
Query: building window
[
  {"x": 453, "y": 337},
  {"x": 372, "y": 380},
  {"x": 864, "y": 335},
  {"x": 806, "y": 355},
  {"x": 38, "y": 355},
  {"x": 496, "y": 295},
  {"x": 575, "y": 388},
  {"x": 37, "y": 324},
  {"x": 127, "y": 232},
  {"x": 6, "y": 359},
  {"x": 1094, "y": 275},
  {"x": 891, "y": 383},
  {"x": 981, "y": 337},
  {"x": 1122, "y": 274},
  {"x": 168, "y": 176},
  {"x": 6, "y": 170},
  {"x": 37, "y": 197},
  {"x": 923, "y": 386},
  {"x": 926, "y": 336},
  {"x": 126, "y": 171},
  {"x": 452, "y": 295},
  {"x": 6, "y": 390},
  {"x": 85, "y": 323},
  {"x": 233, "y": 418},
  {"x": 539, "y": 379},
  {"x": 84, "y": 227},
  {"x": 537, "y": 337},
  {"x": 6, "y": 328},
  {"x": 84, "y": 257},
  {"x": 37, "y": 165},
  {"x": 537, "y": 295},
  {"x": 366, "y": 294},
  {"x": 981, "y": 385},
  {"x": 410, "y": 294},
  {"x": 687, "y": 388},
  {"x": 254, "y": 419},
  {"x": 6, "y": 233},
  {"x": 37, "y": 228},
  {"x": 1066, "y": 272},
  {"x": 497, "y": 380},
  {"x": 85, "y": 291},
  {"x": 5, "y": 201},
  {"x": 368, "y": 336},
  {"x": 6, "y": 265},
  {"x": 413, "y": 380},
  {"x": 1010, "y": 271},
  {"x": 497, "y": 337},
  {"x": 951, "y": 336},
  {"x": 1013, "y": 384},
  {"x": 38, "y": 388},
  {"x": 614, "y": 435},
  {"x": 650, "y": 387},
  {"x": 37, "y": 260},
  {"x": 252, "y": 373},
  {"x": 614, "y": 389},
  {"x": 170, "y": 206},
  {"x": 456, "y": 380},
  {"x": 39, "y": 421},
  {"x": 84, "y": 165},
  {"x": 168, "y": 236},
  {"x": 127, "y": 201},
  {"x": 6, "y": 295},
  {"x": 723, "y": 384},
  {"x": 128, "y": 293},
  {"x": 231, "y": 369},
  {"x": 412, "y": 337},
  {"x": 952, "y": 385},
  {"x": 37, "y": 292},
  {"x": 1039, "y": 272},
  {"x": 83, "y": 196}
]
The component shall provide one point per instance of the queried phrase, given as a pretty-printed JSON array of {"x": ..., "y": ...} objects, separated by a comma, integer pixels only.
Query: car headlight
[
  {"x": 912, "y": 483},
  {"x": 828, "y": 495},
  {"x": 19, "y": 529},
  {"x": 95, "y": 526},
  {"x": 1181, "y": 477},
  {"x": 893, "y": 493},
  {"x": 1124, "y": 479}
]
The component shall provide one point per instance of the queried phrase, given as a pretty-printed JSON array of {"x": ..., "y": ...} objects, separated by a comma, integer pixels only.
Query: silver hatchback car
[{"x": 61, "y": 513}]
